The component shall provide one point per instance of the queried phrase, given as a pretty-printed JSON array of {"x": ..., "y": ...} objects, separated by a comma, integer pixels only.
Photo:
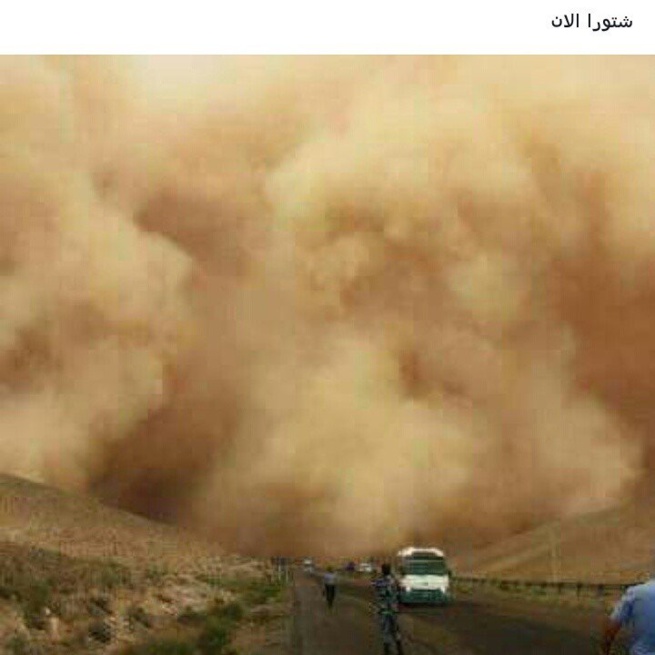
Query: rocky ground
[{"x": 51, "y": 604}]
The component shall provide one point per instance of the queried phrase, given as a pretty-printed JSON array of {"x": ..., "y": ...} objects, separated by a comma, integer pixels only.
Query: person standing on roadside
[
  {"x": 330, "y": 586},
  {"x": 387, "y": 591},
  {"x": 636, "y": 611}
]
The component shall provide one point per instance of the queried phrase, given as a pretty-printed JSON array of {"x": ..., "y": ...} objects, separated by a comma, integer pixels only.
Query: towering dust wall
[{"x": 316, "y": 304}]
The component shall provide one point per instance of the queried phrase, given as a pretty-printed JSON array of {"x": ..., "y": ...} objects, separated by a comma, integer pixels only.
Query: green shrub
[
  {"x": 34, "y": 598},
  {"x": 112, "y": 576},
  {"x": 20, "y": 645},
  {"x": 263, "y": 592},
  {"x": 189, "y": 616},
  {"x": 100, "y": 631},
  {"x": 155, "y": 575},
  {"x": 231, "y": 611},
  {"x": 100, "y": 605},
  {"x": 136, "y": 614},
  {"x": 215, "y": 636},
  {"x": 255, "y": 591}
]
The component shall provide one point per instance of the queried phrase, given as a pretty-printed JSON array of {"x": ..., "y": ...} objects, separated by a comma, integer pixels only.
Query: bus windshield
[{"x": 425, "y": 567}]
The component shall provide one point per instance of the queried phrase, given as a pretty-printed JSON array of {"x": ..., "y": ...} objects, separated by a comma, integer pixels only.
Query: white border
[{"x": 319, "y": 27}]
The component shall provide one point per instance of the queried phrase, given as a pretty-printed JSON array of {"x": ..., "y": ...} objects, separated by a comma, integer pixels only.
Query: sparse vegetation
[
  {"x": 84, "y": 593},
  {"x": 210, "y": 579},
  {"x": 34, "y": 598},
  {"x": 100, "y": 631},
  {"x": 214, "y": 637},
  {"x": 112, "y": 575},
  {"x": 62, "y": 604},
  {"x": 209, "y": 632},
  {"x": 137, "y": 615},
  {"x": 254, "y": 591},
  {"x": 155, "y": 575},
  {"x": 27, "y": 572},
  {"x": 219, "y": 626},
  {"x": 161, "y": 647},
  {"x": 20, "y": 645},
  {"x": 100, "y": 605},
  {"x": 36, "y": 579},
  {"x": 190, "y": 616}
]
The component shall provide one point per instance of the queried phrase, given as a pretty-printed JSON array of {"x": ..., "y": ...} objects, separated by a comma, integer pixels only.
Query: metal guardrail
[
  {"x": 599, "y": 589},
  {"x": 281, "y": 569},
  {"x": 559, "y": 587}
]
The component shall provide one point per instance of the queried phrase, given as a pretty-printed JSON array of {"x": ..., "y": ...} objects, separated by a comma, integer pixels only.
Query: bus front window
[{"x": 429, "y": 567}]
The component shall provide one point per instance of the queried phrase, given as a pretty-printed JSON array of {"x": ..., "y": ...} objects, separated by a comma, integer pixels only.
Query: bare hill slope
[
  {"x": 78, "y": 577},
  {"x": 79, "y": 526},
  {"x": 617, "y": 544}
]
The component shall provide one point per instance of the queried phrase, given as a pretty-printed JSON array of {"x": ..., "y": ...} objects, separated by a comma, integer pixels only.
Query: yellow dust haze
[{"x": 330, "y": 305}]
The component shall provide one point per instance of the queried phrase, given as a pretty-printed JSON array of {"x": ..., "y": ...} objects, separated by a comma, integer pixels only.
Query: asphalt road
[{"x": 470, "y": 626}]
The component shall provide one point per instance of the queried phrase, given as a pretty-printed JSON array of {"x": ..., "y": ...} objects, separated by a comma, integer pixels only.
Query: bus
[{"x": 423, "y": 575}]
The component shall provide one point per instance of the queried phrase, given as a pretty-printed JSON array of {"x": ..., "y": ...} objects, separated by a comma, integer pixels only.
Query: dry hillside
[
  {"x": 80, "y": 526},
  {"x": 617, "y": 544},
  {"x": 77, "y": 577}
]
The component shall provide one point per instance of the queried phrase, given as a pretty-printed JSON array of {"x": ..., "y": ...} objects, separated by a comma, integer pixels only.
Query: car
[
  {"x": 365, "y": 567},
  {"x": 308, "y": 564}
]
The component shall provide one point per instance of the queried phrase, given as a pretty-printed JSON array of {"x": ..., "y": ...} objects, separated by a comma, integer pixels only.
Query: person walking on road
[
  {"x": 636, "y": 611},
  {"x": 386, "y": 601},
  {"x": 330, "y": 586}
]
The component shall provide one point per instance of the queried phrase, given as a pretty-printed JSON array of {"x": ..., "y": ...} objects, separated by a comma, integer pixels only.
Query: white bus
[{"x": 424, "y": 576}]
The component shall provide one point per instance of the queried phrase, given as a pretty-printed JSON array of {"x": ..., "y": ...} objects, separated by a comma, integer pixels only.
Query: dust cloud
[{"x": 330, "y": 305}]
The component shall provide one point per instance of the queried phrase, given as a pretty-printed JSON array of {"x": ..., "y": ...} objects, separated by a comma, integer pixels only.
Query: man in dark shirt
[{"x": 386, "y": 601}]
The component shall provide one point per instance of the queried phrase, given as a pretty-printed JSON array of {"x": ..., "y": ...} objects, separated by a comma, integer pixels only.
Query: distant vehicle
[
  {"x": 350, "y": 567},
  {"x": 424, "y": 576},
  {"x": 365, "y": 567},
  {"x": 308, "y": 564}
]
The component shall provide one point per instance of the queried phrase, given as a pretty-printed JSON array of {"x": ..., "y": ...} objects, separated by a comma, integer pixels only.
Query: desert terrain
[{"x": 79, "y": 577}]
